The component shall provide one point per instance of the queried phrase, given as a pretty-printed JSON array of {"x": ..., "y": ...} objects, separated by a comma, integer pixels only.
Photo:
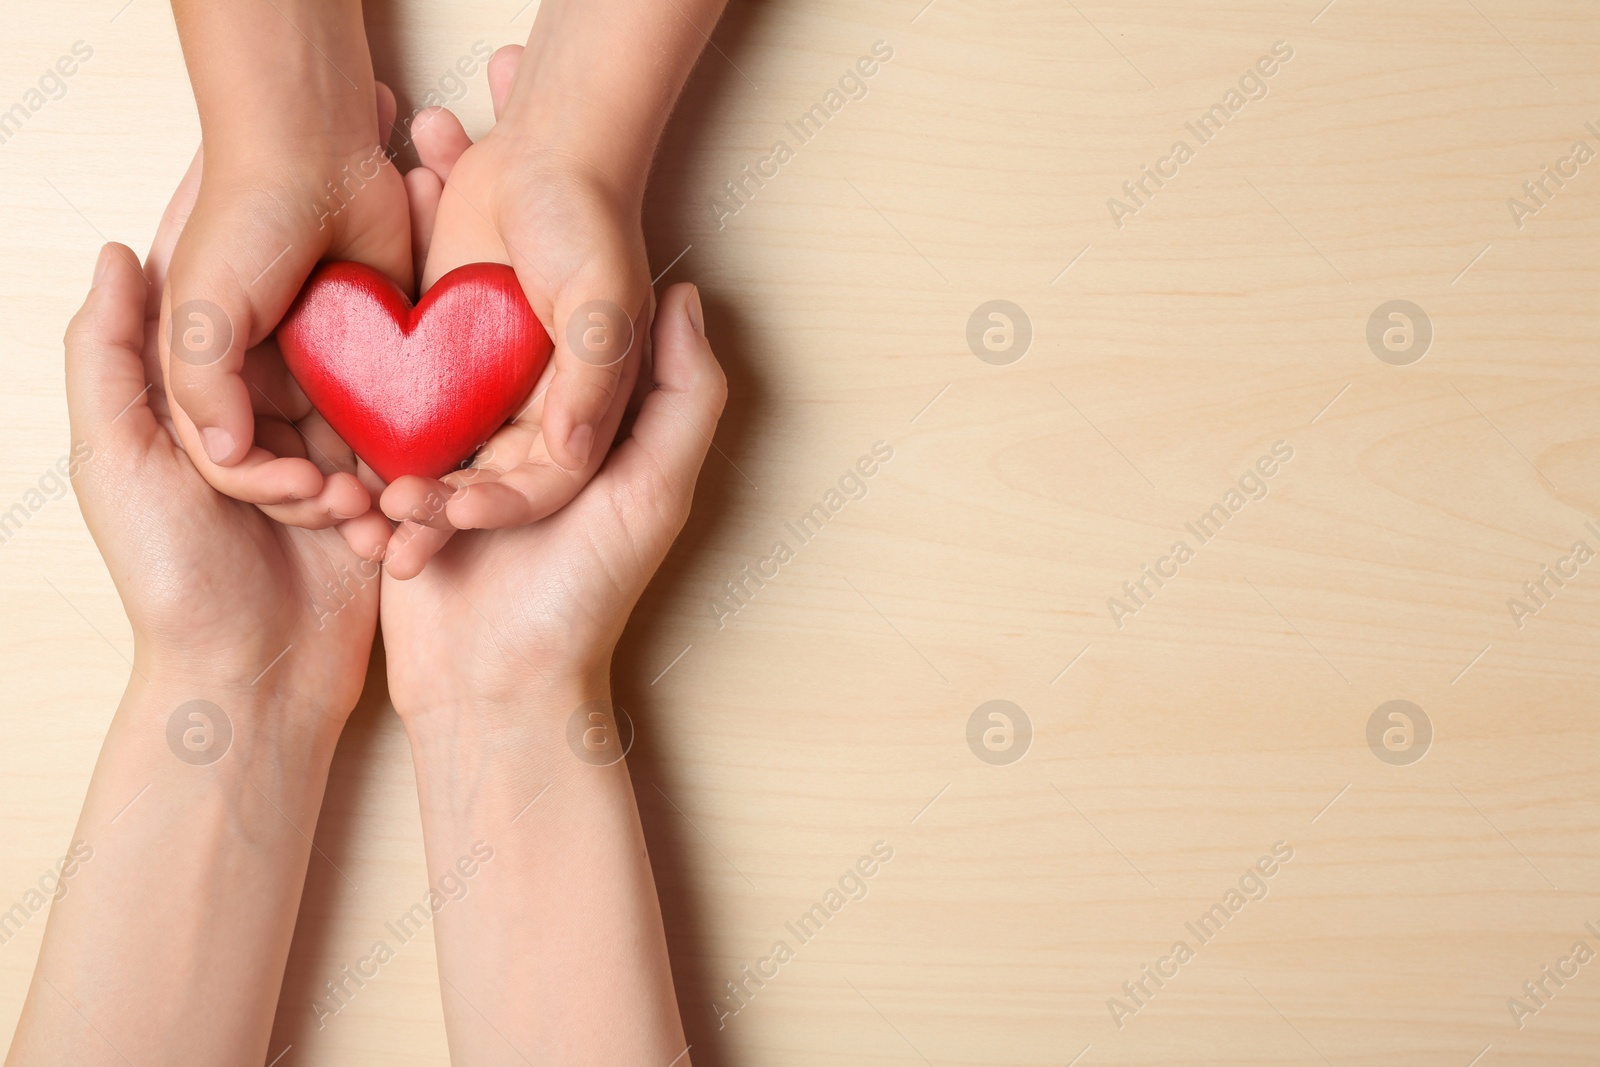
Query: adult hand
[
  {"x": 250, "y": 647},
  {"x": 494, "y": 650},
  {"x": 500, "y": 611},
  {"x": 213, "y": 586}
]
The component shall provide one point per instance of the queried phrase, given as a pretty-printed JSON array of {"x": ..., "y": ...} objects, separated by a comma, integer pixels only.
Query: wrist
[
  {"x": 301, "y": 683},
  {"x": 293, "y": 73},
  {"x": 204, "y": 718},
  {"x": 522, "y": 712},
  {"x": 599, "y": 78},
  {"x": 573, "y": 152},
  {"x": 309, "y": 144},
  {"x": 306, "y": 182},
  {"x": 485, "y": 764}
]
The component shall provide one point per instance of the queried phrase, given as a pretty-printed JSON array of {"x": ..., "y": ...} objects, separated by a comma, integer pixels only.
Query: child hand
[
  {"x": 263, "y": 219},
  {"x": 573, "y": 235}
]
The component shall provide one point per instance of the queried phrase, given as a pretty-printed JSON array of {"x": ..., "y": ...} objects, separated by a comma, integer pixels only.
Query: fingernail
[
  {"x": 697, "y": 315},
  {"x": 218, "y": 442},
  {"x": 580, "y": 441},
  {"x": 100, "y": 265}
]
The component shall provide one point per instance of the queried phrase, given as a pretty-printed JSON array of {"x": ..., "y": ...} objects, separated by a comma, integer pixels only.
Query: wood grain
[{"x": 778, "y": 742}]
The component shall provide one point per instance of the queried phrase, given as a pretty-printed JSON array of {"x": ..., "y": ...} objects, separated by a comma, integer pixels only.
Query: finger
[
  {"x": 260, "y": 478},
  {"x": 367, "y": 535},
  {"x": 516, "y": 458},
  {"x": 437, "y": 151},
  {"x": 502, "y": 73},
  {"x": 233, "y": 274},
  {"x": 168, "y": 231},
  {"x": 599, "y": 319},
  {"x": 388, "y": 108},
  {"x": 468, "y": 237},
  {"x": 342, "y": 498},
  {"x": 423, "y": 190},
  {"x": 107, "y": 394},
  {"x": 677, "y": 420},
  {"x": 522, "y": 495},
  {"x": 440, "y": 139},
  {"x": 412, "y": 498},
  {"x": 410, "y": 548}
]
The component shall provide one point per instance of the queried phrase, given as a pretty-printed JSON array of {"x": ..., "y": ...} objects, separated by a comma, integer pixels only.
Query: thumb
[
  {"x": 679, "y": 415},
  {"x": 107, "y": 395},
  {"x": 233, "y": 274},
  {"x": 597, "y": 349},
  {"x": 597, "y": 324}
]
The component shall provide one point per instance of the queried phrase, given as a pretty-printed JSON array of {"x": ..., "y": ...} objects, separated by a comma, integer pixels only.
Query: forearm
[
  {"x": 551, "y": 950},
  {"x": 275, "y": 73},
  {"x": 169, "y": 940},
  {"x": 600, "y": 78}
]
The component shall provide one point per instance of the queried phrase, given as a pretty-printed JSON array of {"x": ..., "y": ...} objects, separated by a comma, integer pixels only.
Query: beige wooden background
[{"x": 831, "y": 712}]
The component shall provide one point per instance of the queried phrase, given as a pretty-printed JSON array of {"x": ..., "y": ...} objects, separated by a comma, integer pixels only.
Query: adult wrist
[
  {"x": 486, "y": 764},
  {"x": 205, "y": 718},
  {"x": 526, "y": 711}
]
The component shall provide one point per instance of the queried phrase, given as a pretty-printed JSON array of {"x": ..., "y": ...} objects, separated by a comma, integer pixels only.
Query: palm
[
  {"x": 206, "y": 556},
  {"x": 307, "y": 590},
  {"x": 558, "y": 227},
  {"x": 511, "y": 601}
]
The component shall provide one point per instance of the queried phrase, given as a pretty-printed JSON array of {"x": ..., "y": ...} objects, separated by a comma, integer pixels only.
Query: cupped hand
[
  {"x": 264, "y": 216},
  {"x": 577, "y": 246},
  {"x": 217, "y": 592},
  {"x": 499, "y": 614}
]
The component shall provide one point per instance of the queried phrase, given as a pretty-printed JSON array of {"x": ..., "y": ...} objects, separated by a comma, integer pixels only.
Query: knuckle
[
  {"x": 718, "y": 389},
  {"x": 76, "y": 333},
  {"x": 196, "y": 388},
  {"x": 589, "y": 392}
]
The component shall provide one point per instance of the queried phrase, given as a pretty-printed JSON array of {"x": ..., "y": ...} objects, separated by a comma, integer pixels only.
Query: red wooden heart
[{"x": 414, "y": 390}]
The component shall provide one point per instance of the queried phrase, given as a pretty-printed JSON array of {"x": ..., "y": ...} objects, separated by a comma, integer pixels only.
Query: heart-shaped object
[{"x": 414, "y": 390}]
